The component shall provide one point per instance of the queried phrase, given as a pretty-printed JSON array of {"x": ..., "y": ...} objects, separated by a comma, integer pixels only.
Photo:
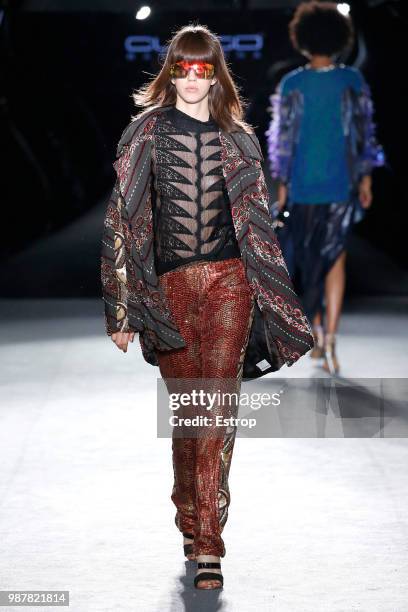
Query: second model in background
[{"x": 322, "y": 148}]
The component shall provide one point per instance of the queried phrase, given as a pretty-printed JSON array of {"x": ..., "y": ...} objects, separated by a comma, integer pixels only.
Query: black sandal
[
  {"x": 188, "y": 548},
  {"x": 208, "y": 575}
]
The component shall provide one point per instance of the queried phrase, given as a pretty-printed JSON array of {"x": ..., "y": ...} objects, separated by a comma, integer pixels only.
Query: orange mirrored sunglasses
[{"x": 203, "y": 70}]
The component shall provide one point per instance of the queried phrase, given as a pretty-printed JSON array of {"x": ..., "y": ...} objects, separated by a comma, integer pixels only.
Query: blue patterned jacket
[{"x": 362, "y": 149}]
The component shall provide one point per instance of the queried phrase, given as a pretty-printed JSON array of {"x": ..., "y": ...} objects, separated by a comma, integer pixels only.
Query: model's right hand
[
  {"x": 121, "y": 339},
  {"x": 365, "y": 194},
  {"x": 282, "y": 195}
]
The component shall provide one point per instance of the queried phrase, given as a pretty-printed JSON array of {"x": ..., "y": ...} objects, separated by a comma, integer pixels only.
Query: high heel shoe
[
  {"x": 331, "y": 363},
  {"x": 318, "y": 337},
  {"x": 219, "y": 578},
  {"x": 188, "y": 548}
]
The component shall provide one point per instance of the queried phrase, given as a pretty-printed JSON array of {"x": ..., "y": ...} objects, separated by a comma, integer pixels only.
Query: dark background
[{"x": 65, "y": 98}]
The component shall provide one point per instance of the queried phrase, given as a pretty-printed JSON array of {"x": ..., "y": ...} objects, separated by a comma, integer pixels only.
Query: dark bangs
[{"x": 194, "y": 47}]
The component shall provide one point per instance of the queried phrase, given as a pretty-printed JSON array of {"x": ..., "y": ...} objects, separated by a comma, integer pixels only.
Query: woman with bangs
[{"x": 190, "y": 262}]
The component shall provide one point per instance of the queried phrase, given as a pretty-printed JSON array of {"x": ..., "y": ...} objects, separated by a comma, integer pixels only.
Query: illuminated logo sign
[{"x": 241, "y": 45}]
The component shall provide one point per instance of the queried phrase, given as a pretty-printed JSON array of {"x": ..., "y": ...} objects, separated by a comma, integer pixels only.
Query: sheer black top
[{"x": 191, "y": 210}]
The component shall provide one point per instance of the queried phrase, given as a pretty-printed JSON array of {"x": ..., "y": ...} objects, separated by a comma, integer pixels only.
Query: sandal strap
[
  {"x": 208, "y": 576},
  {"x": 209, "y": 564}
]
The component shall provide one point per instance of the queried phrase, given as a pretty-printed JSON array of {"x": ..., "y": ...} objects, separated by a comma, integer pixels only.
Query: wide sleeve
[
  {"x": 279, "y": 135},
  {"x": 372, "y": 153},
  {"x": 113, "y": 265}
]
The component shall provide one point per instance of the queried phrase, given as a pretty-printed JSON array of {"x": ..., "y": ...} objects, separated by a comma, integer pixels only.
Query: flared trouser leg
[
  {"x": 176, "y": 368},
  {"x": 213, "y": 307}
]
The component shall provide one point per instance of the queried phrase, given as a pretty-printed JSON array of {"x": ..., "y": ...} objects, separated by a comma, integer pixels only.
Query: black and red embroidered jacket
[{"x": 133, "y": 299}]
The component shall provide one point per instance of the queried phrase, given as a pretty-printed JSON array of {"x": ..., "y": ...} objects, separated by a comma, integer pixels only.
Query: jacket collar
[{"x": 244, "y": 144}]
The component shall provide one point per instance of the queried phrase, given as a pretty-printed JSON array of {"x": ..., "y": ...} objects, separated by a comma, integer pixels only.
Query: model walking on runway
[
  {"x": 322, "y": 148},
  {"x": 191, "y": 262}
]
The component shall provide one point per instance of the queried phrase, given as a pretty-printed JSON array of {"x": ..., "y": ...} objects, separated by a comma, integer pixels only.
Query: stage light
[
  {"x": 143, "y": 12},
  {"x": 343, "y": 8}
]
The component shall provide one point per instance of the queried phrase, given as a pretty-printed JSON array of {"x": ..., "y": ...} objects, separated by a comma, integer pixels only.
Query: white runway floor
[{"x": 315, "y": 525}]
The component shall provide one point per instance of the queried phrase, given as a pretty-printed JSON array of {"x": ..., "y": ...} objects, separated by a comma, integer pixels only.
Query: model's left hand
[
  {"x": 365, "y": 194},
  {"x": 282, "y": 195}
]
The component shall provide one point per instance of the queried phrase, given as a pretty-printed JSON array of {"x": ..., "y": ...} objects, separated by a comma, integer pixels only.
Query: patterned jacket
[{"x": 133, "y": 298}]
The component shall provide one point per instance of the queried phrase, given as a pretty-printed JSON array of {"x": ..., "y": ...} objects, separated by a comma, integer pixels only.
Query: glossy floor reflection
[{"x": 315, "y": 525}]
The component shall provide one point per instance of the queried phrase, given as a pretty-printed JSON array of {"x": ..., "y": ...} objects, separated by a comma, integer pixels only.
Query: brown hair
[{"x": 197, "y": 43}]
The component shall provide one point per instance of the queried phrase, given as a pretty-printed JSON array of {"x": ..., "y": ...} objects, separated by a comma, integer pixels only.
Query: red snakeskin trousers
[{"x": 212, "y": 305}]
